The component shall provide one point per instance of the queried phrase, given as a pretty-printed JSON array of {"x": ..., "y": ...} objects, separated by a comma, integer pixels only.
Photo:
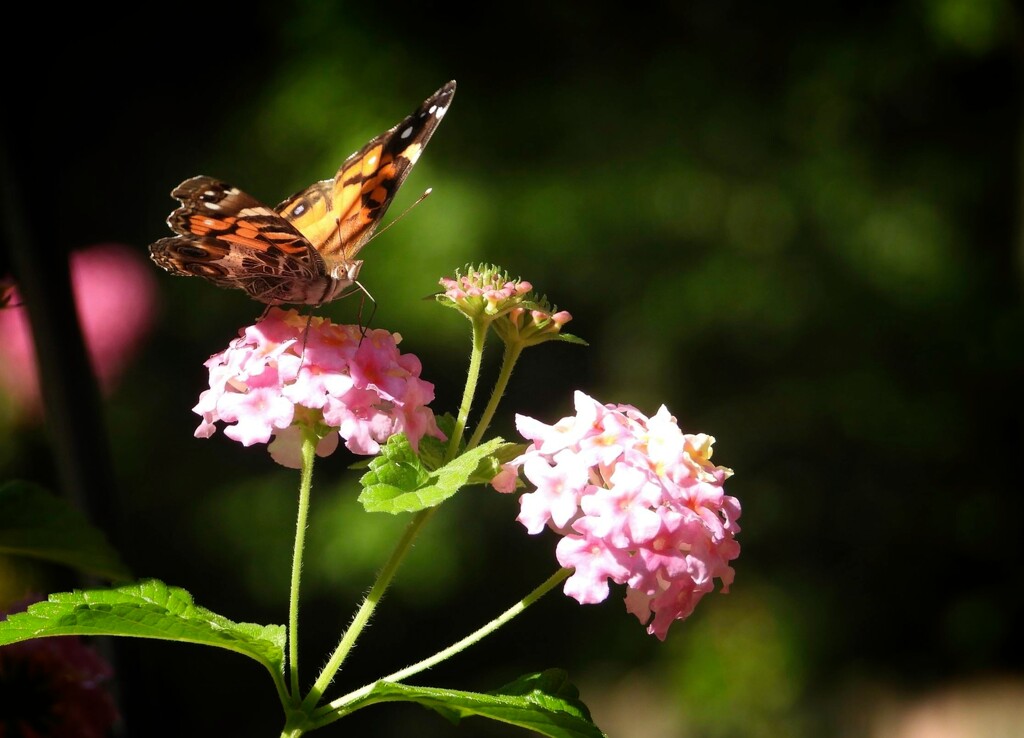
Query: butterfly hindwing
[
  {"x": 233, "y": 240},
  {"x": 211, "y": 208},
  {"x": 269, "y": 276}
]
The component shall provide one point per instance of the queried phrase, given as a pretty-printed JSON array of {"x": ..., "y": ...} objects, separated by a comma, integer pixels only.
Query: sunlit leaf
[
  {"x": 398, "y": 482},
  {"x": 147, "y": 609}
]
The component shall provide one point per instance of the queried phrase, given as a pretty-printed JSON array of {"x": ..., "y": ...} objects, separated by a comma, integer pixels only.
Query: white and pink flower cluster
[
  {"x": 288, "y": 371},
  {"x": 636, "y": 500}
]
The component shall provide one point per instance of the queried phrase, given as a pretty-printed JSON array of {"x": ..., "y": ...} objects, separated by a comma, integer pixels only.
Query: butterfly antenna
[{"x": 421, "y": 198}]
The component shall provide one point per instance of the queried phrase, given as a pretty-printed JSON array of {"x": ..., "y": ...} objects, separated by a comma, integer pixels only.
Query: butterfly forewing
[
  {"x": 311, "y": 211},
  {"x": 339, "y": 216}
]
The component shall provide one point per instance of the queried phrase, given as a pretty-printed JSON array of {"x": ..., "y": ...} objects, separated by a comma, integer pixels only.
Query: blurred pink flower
[
  {"x": 637, "y": 501},
  {"x": 114, "y": 295},
  {"x": 54, "y": 688},
  {"x": 288, "y": 372}
]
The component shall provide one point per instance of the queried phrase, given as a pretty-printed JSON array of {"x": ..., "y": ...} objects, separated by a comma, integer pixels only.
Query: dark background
[{"x": 797, "y": 225}]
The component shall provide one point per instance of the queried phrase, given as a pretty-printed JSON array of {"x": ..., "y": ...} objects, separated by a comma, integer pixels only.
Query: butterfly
[{"x": 303, "y": 251}]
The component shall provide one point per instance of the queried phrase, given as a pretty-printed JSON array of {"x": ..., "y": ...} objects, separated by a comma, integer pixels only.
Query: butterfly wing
[
  {"x": 233, "y": 240},
  {"x": 338, "y": 216}
]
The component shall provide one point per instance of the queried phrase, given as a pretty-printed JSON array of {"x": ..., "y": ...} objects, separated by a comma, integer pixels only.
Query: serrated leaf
[
  {"x": 147, "y": 609},
  {"x": 396, "y": 466},
  {"x": 546, "y": 703},
  {"x": 382, "y": 496},
  {"x": 36, "y": 524}
]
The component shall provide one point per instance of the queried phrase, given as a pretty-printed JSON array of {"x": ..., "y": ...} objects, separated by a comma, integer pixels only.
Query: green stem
[
  {"x": 362, "y": 617},
  {"x": 335, "y": 709},
  {"x": 508, "y": 362},
  {"x": 289, "y": 732},
  {"x": 480, "y": 329},
  {"x": 309, "y": 441}
]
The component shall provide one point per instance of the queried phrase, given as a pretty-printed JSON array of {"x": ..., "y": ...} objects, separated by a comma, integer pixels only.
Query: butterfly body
[{"x": 303, "y": 251}]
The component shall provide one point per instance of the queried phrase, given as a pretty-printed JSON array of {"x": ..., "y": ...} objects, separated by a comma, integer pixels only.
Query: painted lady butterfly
[{"x": 303, "y": 251}]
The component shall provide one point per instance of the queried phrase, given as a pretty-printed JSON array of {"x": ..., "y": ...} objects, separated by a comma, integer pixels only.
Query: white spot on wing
[
  {"x": 212, "y": 206},
  {"x": 407, "y": 132},
  {"x": 432, "y": 109},
  {"x": 440, "y": 112},
  {"x": 412, "y": 153}
]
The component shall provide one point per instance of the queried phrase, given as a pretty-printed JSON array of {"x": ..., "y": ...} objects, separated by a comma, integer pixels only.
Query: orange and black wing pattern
[
  {"x": 233, "y": 240},
  {"x": 339, "y": 215}
]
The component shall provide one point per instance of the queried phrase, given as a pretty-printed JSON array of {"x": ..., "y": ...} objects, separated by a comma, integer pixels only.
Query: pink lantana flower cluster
[
  {"x": 289, "y": 374},
  {"x": 637, "y": 501}
]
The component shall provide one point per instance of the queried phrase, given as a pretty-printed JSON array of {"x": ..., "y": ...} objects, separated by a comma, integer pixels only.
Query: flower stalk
[
  {"x": 309, "y": 443},
  {"x": 480, "y": 329},
  {"x": 335, "y": 709},
  {"x": 362, "y": 616},
  {"x": 509, "y": 358}
]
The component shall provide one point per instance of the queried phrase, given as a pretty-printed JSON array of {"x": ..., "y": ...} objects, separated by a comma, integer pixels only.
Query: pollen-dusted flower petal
[
  {"x": 288, "y": 372},
  {"x": 639, "y": 503}
]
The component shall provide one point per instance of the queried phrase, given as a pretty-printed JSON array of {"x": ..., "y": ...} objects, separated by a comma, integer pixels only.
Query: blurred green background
[{"x": 799, "y": 226}]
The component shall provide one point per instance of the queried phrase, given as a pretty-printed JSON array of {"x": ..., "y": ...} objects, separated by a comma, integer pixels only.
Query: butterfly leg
[{"x": 362, "y": 301}]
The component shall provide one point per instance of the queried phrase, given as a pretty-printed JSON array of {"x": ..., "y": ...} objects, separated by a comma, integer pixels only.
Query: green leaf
[
  {"x": 397, "y": 482},
  {"x": 546, "y": 703},
  {"x": 570, "y": 338},
  {"x": 36, "y": 524},
  {"x": 398, "y": 465},
  {"x": 433, "y": 450},
  {"x": 147, "y": 609}
]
